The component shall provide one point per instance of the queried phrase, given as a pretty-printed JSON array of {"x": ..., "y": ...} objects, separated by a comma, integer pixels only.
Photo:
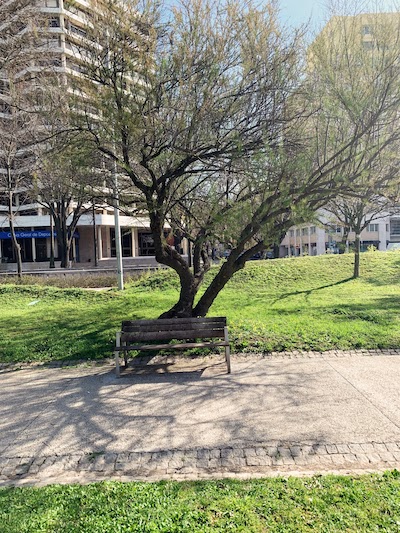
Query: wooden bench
[{"x": 137, "y": 334}]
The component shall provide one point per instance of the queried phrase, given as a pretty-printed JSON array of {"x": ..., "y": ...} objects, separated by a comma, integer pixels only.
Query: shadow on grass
[
  {"x": 82, "y": 333},
  {"x": 308, "y": 292}
]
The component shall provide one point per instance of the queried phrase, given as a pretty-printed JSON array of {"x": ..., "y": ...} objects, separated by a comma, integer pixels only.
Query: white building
[
  {"x": 95, "y": 231},
  {"x": 313, "y": 239}
]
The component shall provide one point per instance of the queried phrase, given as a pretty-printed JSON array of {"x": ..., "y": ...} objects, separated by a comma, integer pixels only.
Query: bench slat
[
  {"x": 169, "y": 335},
  {"x": 159, "y": 326},
  {"x": 174, "y": 321},
  {"x": 180, "y": 346}
]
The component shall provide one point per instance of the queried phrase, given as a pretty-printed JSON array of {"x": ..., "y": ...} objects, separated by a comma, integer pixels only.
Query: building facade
[
  {"x": 311, "y": 239},
  {"x": 94, "y": 238}
]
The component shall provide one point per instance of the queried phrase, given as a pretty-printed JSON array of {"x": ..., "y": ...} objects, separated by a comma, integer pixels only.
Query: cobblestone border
[
  {"x": 239, "y": 357},
  {"x": 269, "y": 459}
]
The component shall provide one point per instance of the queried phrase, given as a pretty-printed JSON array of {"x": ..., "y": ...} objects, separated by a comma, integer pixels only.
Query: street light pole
[
  {"x": 52, "y": 263},
  {"x": 118, "y": 247},
  {"x": 94, "y": 234}
]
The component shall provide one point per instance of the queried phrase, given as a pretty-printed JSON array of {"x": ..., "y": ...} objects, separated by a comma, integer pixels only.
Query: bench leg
[
  {"x": 126, "y": 354},
  {"x": 117, "y": 345},
  {"x": 227, "y": 350}
]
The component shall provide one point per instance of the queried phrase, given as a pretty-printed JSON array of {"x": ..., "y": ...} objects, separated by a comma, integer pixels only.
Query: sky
[{"x": 297, "y": 12}]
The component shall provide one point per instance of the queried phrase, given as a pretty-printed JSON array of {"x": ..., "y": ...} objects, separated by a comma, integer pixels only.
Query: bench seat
[{"x": 136, "y": 334}]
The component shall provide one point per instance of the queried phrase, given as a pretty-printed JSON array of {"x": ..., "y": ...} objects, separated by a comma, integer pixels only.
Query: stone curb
[
  {"x": 259, "y": 460},
  {"x": 239, "y": 357}
]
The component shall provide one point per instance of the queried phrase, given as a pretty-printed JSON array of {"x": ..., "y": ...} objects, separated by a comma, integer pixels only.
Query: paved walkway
[{"x": 295, "y": 413}]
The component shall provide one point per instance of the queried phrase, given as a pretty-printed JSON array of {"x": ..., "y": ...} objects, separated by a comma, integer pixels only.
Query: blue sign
[{"x": 40, "y": 234}]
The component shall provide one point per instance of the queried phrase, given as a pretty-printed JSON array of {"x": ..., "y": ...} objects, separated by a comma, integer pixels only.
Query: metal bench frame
[{"x": 136, "y": 334}]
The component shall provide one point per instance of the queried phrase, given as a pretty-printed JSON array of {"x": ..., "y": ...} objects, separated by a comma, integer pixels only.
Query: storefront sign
[{"x": 41, "y": 234}]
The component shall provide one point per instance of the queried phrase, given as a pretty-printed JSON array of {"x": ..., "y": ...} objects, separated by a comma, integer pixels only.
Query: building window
[
  {"x": 313, "y": 230},
  {"x": 395, "y": 226},
  {"x": 53, "y": 41},
  {"x": 126, "y": 242},
  {"x": 291, "y": 233},
  {"x": 5, "y": 108},
  {"x": 304, "y": 231},
  {"x": 77, "y": 30},
  {"x": 387, "y": 228},
  {"x": 51, "y": 3},
  {"x": 366, "y": 30},
  {"x": 368, "y": 45},
  {"x": 4, "y": 87},
  {"x": 146, "y": 244},
  {"x": 54, "y": 22},
  {"x": 298, "y": 233},
  {"x": 373, "y": 227}
]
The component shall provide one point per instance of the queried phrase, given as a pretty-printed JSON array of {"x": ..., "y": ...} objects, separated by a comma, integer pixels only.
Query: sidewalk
[{"x": 283, "y": 414}]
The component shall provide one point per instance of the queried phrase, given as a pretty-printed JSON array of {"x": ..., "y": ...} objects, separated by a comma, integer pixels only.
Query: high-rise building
[{"x": 66, "y": 24}]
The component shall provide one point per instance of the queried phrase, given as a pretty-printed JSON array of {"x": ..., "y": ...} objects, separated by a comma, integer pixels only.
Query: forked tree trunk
[{"x": 184, "y": 306}]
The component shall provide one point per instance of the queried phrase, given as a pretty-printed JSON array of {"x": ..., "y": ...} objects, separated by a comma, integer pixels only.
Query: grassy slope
[
  {"x": 324, "y": 504},
  {"x": 305, "y": 303}
]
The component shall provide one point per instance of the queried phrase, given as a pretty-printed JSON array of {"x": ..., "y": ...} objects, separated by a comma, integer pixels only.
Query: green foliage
[
  {"x": 331, "y": 503},
  {"x": 309, "y": 303}
]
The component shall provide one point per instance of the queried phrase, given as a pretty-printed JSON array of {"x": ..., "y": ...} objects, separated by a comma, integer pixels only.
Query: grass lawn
[
  {"x": 319, "y": 504},
  {"x": 308, "y": 303}
]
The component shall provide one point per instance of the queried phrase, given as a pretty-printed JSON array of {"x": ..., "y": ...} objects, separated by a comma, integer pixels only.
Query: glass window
[
  {"x": 395, "y": 226},
  {"x": 368, "y": 45},
  {"x": 146, "y": 244},
  {"x": 373, "y": 227},
  {"x": 54, "y": 22}
]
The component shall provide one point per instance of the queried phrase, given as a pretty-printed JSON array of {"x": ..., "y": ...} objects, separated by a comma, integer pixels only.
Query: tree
[
  {"x": 19, "y": 124},
  {"x": 67, "y": 182},
  {"x": 354, "y": 63},
  {"x": 15, "y": 17},
  {"x": 358, "y": 212},
  {"x": 211, "y": 117}
]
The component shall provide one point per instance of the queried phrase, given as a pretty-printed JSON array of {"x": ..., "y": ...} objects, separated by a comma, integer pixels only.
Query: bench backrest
[{"x": 173, "y": 328}]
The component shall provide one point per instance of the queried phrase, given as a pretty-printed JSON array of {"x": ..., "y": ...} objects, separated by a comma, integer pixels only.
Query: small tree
[
  {"x": 17, "y": 34},
  {"x": 357, "y": 213},
  {"x": 67, "y": 183},
  {"x": 354, "y": 68},
  {"x": 19, "y": 123}
]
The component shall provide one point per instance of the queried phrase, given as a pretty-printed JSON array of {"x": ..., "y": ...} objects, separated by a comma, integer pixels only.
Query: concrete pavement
[{"x": 290, "y": 413}]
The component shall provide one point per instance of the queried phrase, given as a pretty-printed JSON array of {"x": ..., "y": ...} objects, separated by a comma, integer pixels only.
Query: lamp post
[
  {"x": 52, "y": 263},
  {"x": 94, "y": 234},
  {"x": 118, "y": 247}
]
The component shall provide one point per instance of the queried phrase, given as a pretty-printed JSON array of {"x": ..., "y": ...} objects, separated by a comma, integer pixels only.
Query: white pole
[{"x": 118, "y": 246}]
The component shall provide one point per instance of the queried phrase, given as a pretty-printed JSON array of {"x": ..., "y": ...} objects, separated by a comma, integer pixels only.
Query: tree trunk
[
  {"x": 62, "y": 239},
  {"x": 15, "y": 243},
  {"x": 184, "y": 306},
  {"x": 356, "y": 273},
  {"x": 225, "y": 273}
]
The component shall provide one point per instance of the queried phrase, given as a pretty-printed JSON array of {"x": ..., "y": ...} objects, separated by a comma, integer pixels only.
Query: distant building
[
  {"x": 366, "y": 31},
  {"x": 313, "y": 239}
]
